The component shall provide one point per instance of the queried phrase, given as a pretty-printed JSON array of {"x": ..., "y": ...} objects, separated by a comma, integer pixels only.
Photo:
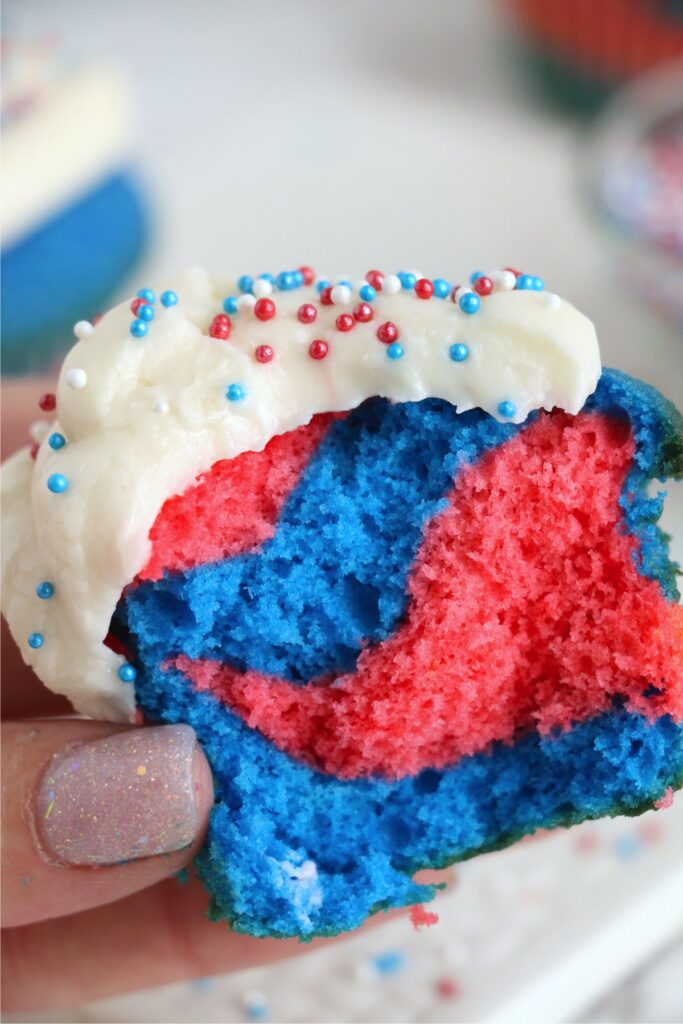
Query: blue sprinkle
[
  {"x": 127, "y": 673},
  {"x": 138, "y": 328},
  {"x": 56, "y": 441},
  {"x": 298, "y": 278},
  {"x": 285, "y": 281},
  {"x": 45, "y": 590},
  {"x": 458, "y": 352},
  {"x": 390, "y": 962},
  {"x": 367, "y": 293},
  {"x": 407, "y": 280},
  {"x": 235, "y": 392},
  {"x": 257, "y": 1011},
  {"x": 525, "y": 283},
  {"x": 395, "y": 350},
  {"x": 627, "y": 847},
  {"x": 469, "y": 302},
  {"x": 36, "y": 640},
  {"x": 168, "y": 298},
  {"x": 539, "y": 284},
  {"x": 230, "y": 305},
  {"x": 246, "y": 284},
  {"x": 442, "y": 288},
  {"x": 147, "y": 294},
  {"x": 146, "y": 312},
  {"x": 267, "y": 277},
  {"x": 347, "y": 284},
  {"x": 57, "y": 483},
  {"x": 507, "y": 409},
  {"x": 322, "y": 285},
  {"x": 474, "y": 277}
]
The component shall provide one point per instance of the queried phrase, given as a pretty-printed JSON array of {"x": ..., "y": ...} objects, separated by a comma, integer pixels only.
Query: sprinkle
[
  {"x": 298, "y": 278},
  {"x": 446, "y": 988},
  {"x": 326, "y": 296},
  {"x": 395, "y": 350},
  {"x": 270, "y": 278},
  {"x": 407, "y": 280},
  {"x": 507, "y": 409},
  {"x": 286, "y": 281},
  {"x": 146, "y": 312},
  {"x": 469, "y": 302},
  {"x": 475, "y": 275},
  {"x": 235, "y": 392},
  {"x": 76, "y": 378},
  {"x": 138, "y": 328},
  {"x": 255, "y": 1005},
  {"x": 36, "y": 640},
  {"x": 345, "y": 322},
  {"x": 318, "y": 349},
  {"x": 33, "y": 450},
  {"x": 525, "y": 283},
  {"x": 137, "y": 304},
  {"x": 82, "y": 329},
  {"x": 375, "y": 279},
  {"x": 262, "y": 289},
  {"x": 458, "y": 352},
  {"x": 321, "y": 284},
  {"x": 264, "y": 309},
  {"x": 307, "y": 275},
  {"x": 539, "y": 284},
  {"x": 483, "y": 285},
  {"x": 628, "y": 847},
  {"x": 306, "y": 313},
  {"x": 246, "y": 302},
  {"x": 341, "y": 295},
  {"x": 387, "y": 332},
  {"x": 363, "y": 312},
  {"x": 504, "y": 279},
  {"x": 424, "y": 289},
  {"x": 127, "y": 673},
  {"x": 147, "y": 294},
  {"x": 264, "y": 354},
  {"x": 390, "y": 962},
  {"x": 141, "y": 769},
  {"x": 245, "y": 283},
  {"x": 367, "y": 293},
  {"x": 441, "y": 288},
  {"x": 161, "y": 405},
  {"x": 48, "y": 402},
  {"x": 45, "y": 590},
  {"x": 57, "y": 483},
  {"x": 230, "y": 305},
  {"x": 50, "y": 806},
  {"x": 220, "y": 327},
  {"x": 56, "y": 441},
  {"x": 391, "y": 285},
  {"x": 169, "y": 298}
]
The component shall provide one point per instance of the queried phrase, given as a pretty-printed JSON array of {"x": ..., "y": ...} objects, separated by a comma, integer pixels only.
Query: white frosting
[{"x": 153, "y": 414}]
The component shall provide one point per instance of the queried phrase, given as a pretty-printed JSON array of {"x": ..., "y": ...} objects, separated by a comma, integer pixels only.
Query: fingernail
[{"x": 126, "y": 796}]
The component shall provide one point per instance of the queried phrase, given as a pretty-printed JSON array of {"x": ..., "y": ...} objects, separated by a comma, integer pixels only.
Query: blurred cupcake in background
[
  {"x": 637, "y": 185},
  {"x": 74, "y": 222},
  {"x": 580, "y": 50}
]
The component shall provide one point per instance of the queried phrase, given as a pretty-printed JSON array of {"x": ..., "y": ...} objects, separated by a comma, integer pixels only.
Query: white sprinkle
[
  {"x": 246, "y": 302},
  {"x": 161, "y": 405},
  {"x": 83, "y": 328},
  {"x": 38, "y": 430},
  {"x": 391, "y": 285},
  {"x": 552, "y": 300},
  {"x": 504, "y": 280},
  {"x": 76, "y": 378},
  {"x": 262, "y": 289},
  {"x": 462, "y": 290},
  {"x": 341, "y": 295}
]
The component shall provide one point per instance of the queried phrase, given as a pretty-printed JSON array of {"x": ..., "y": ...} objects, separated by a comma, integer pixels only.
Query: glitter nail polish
[{"x": 126, "y": 796}]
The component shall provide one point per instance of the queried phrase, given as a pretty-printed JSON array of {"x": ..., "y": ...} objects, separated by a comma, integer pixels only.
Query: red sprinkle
[
  {"x": 264, "y": 354},
  {"x": 447, "y": 988},
  {"x": 135, "y": 305},
  {"x": 326, "y": 296},
  {"x": 48, "y": 402},
  {"x": 387, "y": 332},
  {"x": 264, "y": 309},
  {"x": 96, "y": 319},
  {"x": 363, "y": 312},
  {"x": 424, "y": 289},
  {"x": 33, "y": 450},
  {"x": 306, "y": 313},
  {"x": 221, "y": 325},
  {"x": 318, "y": 349},
  {"x": 453, "y": 293},
  {"x": 483, "y": 286},
  {"x": 308, "y": 274},
  {"x": 375, "y": 278},
  {"x": 345, "y": 322}
]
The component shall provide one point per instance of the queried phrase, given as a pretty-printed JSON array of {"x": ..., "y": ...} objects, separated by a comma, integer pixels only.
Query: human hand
[{"x": 87, "y": 911}]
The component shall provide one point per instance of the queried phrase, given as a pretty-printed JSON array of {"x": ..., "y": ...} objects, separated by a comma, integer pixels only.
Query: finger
[
  {"x": 156, "y": 937},
  {"x": 92, "y": 813},
  {"x": 20, "y": 408},
  {"x": 23, "y": 694}
]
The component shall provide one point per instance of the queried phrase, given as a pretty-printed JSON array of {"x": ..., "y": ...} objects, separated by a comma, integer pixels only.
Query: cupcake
[{"x": 386, "y": 545}]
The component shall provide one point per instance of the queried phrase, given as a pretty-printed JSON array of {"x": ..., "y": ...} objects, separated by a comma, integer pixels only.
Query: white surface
[{"x": 378, "y": 133}]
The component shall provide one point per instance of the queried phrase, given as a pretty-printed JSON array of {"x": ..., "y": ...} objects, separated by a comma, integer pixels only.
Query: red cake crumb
[
  {"x": 421, "y": 918},
  {"x": 526, "y": 613}
]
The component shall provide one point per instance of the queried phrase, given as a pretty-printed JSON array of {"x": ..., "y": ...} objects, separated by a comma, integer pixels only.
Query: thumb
[{"x": 92, "y": 812}]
